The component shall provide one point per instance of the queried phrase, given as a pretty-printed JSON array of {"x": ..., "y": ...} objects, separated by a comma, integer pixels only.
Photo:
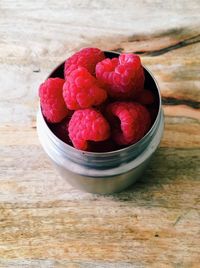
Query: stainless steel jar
[{"x": 102, "y": 172}]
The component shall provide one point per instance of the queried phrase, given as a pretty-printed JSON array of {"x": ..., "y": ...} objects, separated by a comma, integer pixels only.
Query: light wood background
[{"x": 44, "y": 222}]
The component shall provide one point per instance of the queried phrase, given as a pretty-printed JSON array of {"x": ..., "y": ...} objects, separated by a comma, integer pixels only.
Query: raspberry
[
  {"x": 145, "y": 97},
  {"x": 86, "y": 57},
  {"x": 81, "y": 90},
  {"x": 123, "y": 76},
  {"x": 87, "y": 125},
  {"x": 51, "y": 99},
  {"x": 134, "y": 121}
]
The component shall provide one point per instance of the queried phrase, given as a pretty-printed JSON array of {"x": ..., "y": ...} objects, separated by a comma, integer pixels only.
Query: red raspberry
[
  {"x": 145, "y": 97},
  {"x": 87, "y": 125},
  {"x": 51, "y": 100},
  {"x": 81, "y": 90},
  {"x": 134, "y": 121},
  {"x": 86, "y": 57},
  {"x": 123, "y": 76}
]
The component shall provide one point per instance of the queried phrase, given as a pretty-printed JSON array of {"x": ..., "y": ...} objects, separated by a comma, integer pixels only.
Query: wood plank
[
  {"x": 44, "y": 222},
  {"x": 168, "y": 183}
]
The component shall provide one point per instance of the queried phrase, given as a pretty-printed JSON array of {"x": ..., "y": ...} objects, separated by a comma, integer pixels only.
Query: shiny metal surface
[{"x": 102, "y": 172}]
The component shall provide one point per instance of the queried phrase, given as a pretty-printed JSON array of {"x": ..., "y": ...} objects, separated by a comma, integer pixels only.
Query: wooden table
[{"x": 44, "y": 222}]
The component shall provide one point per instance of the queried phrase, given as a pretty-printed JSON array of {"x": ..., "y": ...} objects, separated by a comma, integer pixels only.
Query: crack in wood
[
  {"x": 182, "y": 216},
  {"x": 173, "y": 32},
  {"x": 185, "y": 42},
  {"x": 174, "y": 101},
  {"x": 192, "y": 40},
  {"x": 119, "y": 50}
]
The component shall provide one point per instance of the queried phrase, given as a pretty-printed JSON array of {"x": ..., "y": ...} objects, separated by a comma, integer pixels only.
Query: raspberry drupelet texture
[
  {"x": 87, "y": 125},
  {"x": 86, "y": 57},
  {"x": 51, "y": 99},
  {"x": 145, "y": 97},
  {"x": 123, "y": 76},
  {"x": 134, "y": 121},
  {"x": 81, "y": 90}
]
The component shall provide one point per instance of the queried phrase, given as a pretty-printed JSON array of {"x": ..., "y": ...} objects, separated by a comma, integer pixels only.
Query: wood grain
[{"x": 44, "y": 222}]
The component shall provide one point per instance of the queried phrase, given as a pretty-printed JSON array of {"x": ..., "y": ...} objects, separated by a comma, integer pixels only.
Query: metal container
[{"x": 103, "y": 172}]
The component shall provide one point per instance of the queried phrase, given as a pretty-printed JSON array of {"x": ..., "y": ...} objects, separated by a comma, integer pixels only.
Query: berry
[
  {"x": 51, "y": 100},
  {"x": 145, "y": 97},
  {"x": 81, "y": 90},
  {"x": 123, "y": 76},
  {"x": 130, "y": 121},
  {"x": 87, "y": 125},
  {"x": 86, "y": 57}
]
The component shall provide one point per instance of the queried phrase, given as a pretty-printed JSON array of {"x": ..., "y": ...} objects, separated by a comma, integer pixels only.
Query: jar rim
[{"x": 102, "y": 154}]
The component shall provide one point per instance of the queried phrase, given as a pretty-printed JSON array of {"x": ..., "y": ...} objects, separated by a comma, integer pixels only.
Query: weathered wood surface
[{"x": 43, "y": 221}]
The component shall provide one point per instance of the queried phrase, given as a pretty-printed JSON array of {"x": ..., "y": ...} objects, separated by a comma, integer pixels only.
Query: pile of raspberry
[{"x": 101, "y": 104}]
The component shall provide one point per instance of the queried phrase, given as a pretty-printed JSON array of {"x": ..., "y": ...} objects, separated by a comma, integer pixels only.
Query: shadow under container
[{"x": 107, "y": 172}]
